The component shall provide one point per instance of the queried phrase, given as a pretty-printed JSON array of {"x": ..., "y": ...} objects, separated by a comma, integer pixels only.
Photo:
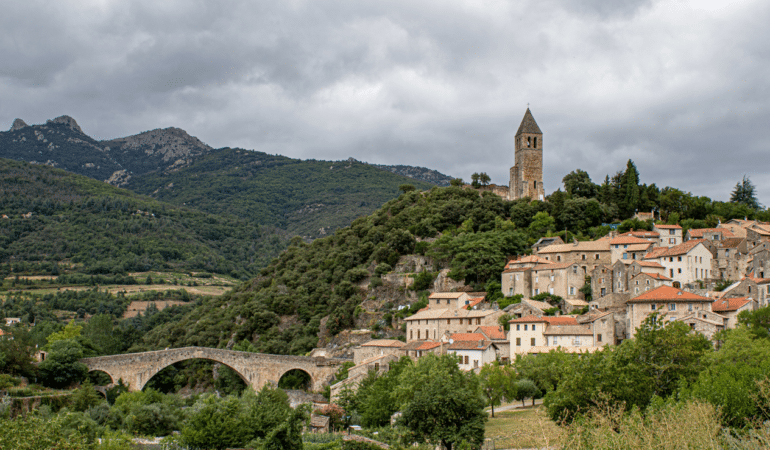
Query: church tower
[{"x": 527, "y": 173}]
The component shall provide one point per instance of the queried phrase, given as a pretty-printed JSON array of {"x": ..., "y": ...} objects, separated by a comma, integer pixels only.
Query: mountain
[
  {"x": 61, "y": 143},
  {"x": 51, "y": 218},
  {"x": 309, "y": 198}
]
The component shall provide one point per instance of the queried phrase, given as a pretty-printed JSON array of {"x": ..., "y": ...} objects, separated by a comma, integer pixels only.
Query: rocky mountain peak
[
  {"x": 67, "y": 120},
  {"x": 18, "y": 124}
]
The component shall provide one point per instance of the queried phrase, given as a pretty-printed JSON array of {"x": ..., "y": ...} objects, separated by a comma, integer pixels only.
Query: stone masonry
[{"x": 256, "y": 369}]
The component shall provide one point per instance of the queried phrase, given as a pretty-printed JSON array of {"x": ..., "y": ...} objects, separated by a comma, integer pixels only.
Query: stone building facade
[{"x": 526, "y": 180}]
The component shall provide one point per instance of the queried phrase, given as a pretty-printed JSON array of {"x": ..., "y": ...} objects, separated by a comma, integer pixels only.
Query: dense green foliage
[
  {"x": 315, "y": 282},
  {"x": 104, "y": 229},
  {"x": 301, "y": 197}
]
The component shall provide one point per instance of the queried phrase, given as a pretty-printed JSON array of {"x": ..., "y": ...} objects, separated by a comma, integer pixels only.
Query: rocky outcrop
[
  {"x": 67, "y": 120},
  {"x": 171, "y": 144},
  {"x": 418, "y": 173},
  {"x": 18, "y": 124},
  {"x": 119, "y": 178}
]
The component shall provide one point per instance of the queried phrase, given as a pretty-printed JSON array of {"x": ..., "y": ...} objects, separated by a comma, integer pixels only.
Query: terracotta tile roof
[
  {"x": 542, "y": 306},
  {"x": 729, "y": 242},
  {"x": 699, "y": 232},
  {"x": 650, "y": 264},
  {"x": 462, "y": 313},
  {"x": 582, "y": 246},
  {"x": 658, "y": 276},
  {"x": 592, "y": 316},
  {"x": 383, "y": 343},
  {"x": 527, "y": 260},
  {"x": 667, "y": 227},
  {"x": 474, "y": 301},
  {"x": 567, "y": 330},
  {"x": 730, "y": 304},
  {"x": 493, "y": 333},
  {"x": 467, "y": 337},
  {"x": 676, "y": 250},
  {"x": 561, "y": 320},
  {"x": 428, "y": 345},
  {"x": 469, "y": 345},
  {"x": 625, "y": 240},
  {"x": 638, "y": 247},
  {"x": 546, "y": 349},
  {"x": 668, "y": 294},
  {"x": 695, "y": 316},
  {"x": 554, "y": 266},
  {"x": 517, "y": 269},
  {"x": 446, "y": 294}
]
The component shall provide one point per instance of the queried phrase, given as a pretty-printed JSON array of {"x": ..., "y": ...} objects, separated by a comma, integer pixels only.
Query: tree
[
  {"x": 484, "y": 179},
  {"x": 71, "y": 331},
  {"x": 578, "y": 184},
  {"x": 85, "y": 397},
  {"x": 526, "y": 388},
  {"x": 215, "y": 423},
  {"x": 406, "y": 188},
  {"x": 435, "y": 388},
  {"x": 62, "y": 367},
  {"x": 630, "y": 189},
  {"x": 541, "y": 224},
  {"x": 457, "y": 182},
  {"x": 745, "y": 193},
  {"x": 495, "y": 382},
  {"x": 475, "y": 179}
]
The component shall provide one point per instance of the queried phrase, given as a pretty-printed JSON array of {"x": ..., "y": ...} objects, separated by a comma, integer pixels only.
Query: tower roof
[{"x": 528, "y": 125}]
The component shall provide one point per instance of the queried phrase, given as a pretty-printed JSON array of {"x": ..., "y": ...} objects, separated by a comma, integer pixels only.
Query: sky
[{"x": 679, "y": 87}]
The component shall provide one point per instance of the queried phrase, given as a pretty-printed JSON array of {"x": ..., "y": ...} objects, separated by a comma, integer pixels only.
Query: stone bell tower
[{"x": 527, "y": 173}]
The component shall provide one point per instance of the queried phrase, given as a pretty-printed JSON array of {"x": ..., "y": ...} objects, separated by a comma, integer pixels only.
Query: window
[
  {"x": 598, "y": 337},
  {"x": 411, "y": 335},
  {"x": 558, "y": 258},
  {"x": 652, "y": 307},
  {"x": 418, "y": 335},
  {"x": 679, "y": 258},
  {"x": 636, "y": 290},
  {"x": 376, "y": 367},
  {"x": 689, "y": 307},
  {"x": 533, "y": 327},
  {"x": 572, "y": 290},
  {"x": 475, "y": 363},
  {"x": 584, "y": 257},
  {"x": 537, "y": 291},
  {"x": 518, "y": 342},
  {"x": 466, "y": 359},
  {"x": 529, "y": 141},
  {"x": 596, "y": 256},
  {"x": 574, "y": 269},
  {"x": 672, "y": 306},
  {"x": 625, "y": 245},
  {"x": 535, "y": 142},
  {"x": 672, "y": 241},
  {"x": 448, "y": 321},
  {"x": 461, "y": 321},
  {"x": 525, "y": 327},
  {"x": 532, "y": 342},
  {"x": 671, "y": 232},
  {"x": 478, "y": 321},
  {"x": 518, "y": 327},
  {"x": 551, "y": 276},
  {"x": 577, "y": 340},
  {"x": 625, "y": 255},
  {"x": 678, "y": 270}
]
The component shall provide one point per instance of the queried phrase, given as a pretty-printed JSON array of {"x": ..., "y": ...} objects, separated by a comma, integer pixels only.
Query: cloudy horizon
[{"x": 679, "y": 87}]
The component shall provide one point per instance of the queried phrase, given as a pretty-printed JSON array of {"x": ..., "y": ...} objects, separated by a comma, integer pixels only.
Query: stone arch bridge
[{"x": 256, "y": 369}]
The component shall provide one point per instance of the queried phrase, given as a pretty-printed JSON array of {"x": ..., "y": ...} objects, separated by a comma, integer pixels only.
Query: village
[{"x": 579, "y": 297}]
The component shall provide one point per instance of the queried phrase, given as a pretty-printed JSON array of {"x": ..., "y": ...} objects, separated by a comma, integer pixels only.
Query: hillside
[
  {"x": 310, "y": 198},
  {"x": 51, "y": 219},
  {"x": 307, "y": 198},
  {"x": 358, "y": 276}
]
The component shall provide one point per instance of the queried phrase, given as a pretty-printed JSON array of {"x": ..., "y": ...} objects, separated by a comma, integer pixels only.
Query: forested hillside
[
  {"x": 51, "y": 219},
  {"x": 307, "y": 198}
]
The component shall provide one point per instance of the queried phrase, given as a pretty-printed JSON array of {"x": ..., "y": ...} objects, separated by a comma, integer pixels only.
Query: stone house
[
  {"x": 603, "y": 326},
  {"x": 498, "y": 336},
  {"x": 377, "y": 347},
  {"x": 707, "y": 324},
  {"x": 731, "y": 307},
  {"x": 448, "y": 300},
  {"x": 473, "y": 354},
  {"x": 533, "y": 334},
  {"x": 431, "y": 324},
  {"x": 644, "y": 282},
  {"x": 587, "y": 254},
  {"x": 570, "y": 305},
  {"x": 754, "y": 231},
  {"x": 670, "y": 304},
  {"x": 562, "y": 279},
  {"x": 731, "y": 260},
  {"x": 651, "y": 236},
  {"x": 670, "y": 235},
  {"x": 628, "y": 248},
  {"x": 756, "y": 288},
  {"x": 684, "y": 263},
  {"x": 545, "y": 242},
  {"x": 758, "y": 261},
  {"x": 516, "y": 278},
  {"x": 710, "y": 234}
]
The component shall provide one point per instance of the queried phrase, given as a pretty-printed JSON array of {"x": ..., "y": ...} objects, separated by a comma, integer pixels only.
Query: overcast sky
[{"x": 680, "y": 87}]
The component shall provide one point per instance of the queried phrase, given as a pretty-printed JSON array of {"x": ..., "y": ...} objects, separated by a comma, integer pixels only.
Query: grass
[{"x": 527, "y": 428}]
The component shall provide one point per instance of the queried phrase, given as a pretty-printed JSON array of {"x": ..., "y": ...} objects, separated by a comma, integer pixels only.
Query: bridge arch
[{"x": 256, "y": 369}]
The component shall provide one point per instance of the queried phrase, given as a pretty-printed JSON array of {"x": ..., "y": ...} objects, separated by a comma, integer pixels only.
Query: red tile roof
[
  {"x": 642, "y": 234},
  {"x": 469, "y": 345},
  {"x": 528, "y": 319},
  {"x": 527, "y": 259},
  {"x": 699, "y": 232},
  {"x": 650, "y": 264},
  {"x": 495, "y": 333},
  {"x": 561, "y": 320},
  {"x": 668, "y": 293},
  {"x": 729, "y": 304},
  {"x": 467, "y": 337},
  {"x": 428, "y": 345},
  {"x": 383, "y": 343},
  {"x": 667, "y": 227},
  {"x": 554, "y": 266},
  {"x": 676, "y": 250},
  {"x": 474, "y": 301}
]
